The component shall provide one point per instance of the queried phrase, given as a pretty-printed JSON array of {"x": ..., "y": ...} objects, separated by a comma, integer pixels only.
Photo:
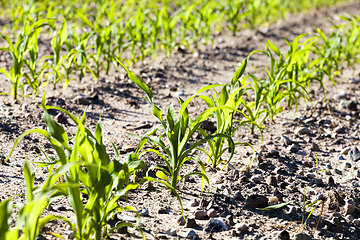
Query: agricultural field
[{"x": 179, "y": 119}]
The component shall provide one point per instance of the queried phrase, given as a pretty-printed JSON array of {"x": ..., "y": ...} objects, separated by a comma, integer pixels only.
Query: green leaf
[
  {"x": 275, "y": 207},
  {"x": 239, "y": 72}
]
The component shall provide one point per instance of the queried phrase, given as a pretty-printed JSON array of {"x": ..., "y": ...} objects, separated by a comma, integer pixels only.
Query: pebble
[
  {"x": 331, "y": 181},
  {"x": 216, "y": 225},
  {"x": 60, "y": 102},
  {"x": 338, "y": 171},
  {"x": 212, "y": 213},
  {"x": 345, "y": 151},
  {"x": 285, "y": 140},
  {"x": 354, "y": 154},
  {"x": 350, "y": 207},
  {"x": 347, "y": 165},
  {"x": 302, "y": 131},
  {"x": 241, "y": 227},
  {"x": 61, "y": 118},
  {"x": 315, "y": 147},
  {"x": 302, "y": 236},
  {"x": 238, "y": 196},
  {"x": 191, "y": 223},
  {"x": 349, "y": 217},
  {"x": 80, "y": 99},
  {"x": 257, "y": 201},
  {"x": 310, "y": 175},
  {"x": 179, "y": 94},
  {"x": 272, "y": 181},
  {"x": 273, "y": 200},
  {"x": 181, "y": 221},
  {"x": 256, "y": 179},
  {"x": 284, "y": 235},
  {"x": 194, "y": 203},
  {"x": 191, "y": 234},
  {"x": 301, "y": 152},
  {"x": 201, "y": 214},
  {"x": 294, "y": 148},
  {"x": 144, "y": 212},
  {"x": 341, "y": 158},
  {"x": 358, "y": 173},
  {"x": 356, "y": 221}
]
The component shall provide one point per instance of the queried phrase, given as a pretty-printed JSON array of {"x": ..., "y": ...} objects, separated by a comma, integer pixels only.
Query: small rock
[
  {"x": 241, "y": 227},
  {"x": 191, "y": 234},
  {"x": 302, "y": 131},
  {"x": 284, "y": 235},
  {"x": 339, "y": 129},
  {"x": 331, "y": 181},
  {"x": 272, "y": 181},
  {"x": 273, "y": 200},
  {"x": 194, "y": 203},
  {"x": 201, "y": 214},
  {"x": 347, "y": 165},
  {"x": 219, "y": 179},
  {"x": 341, "y": 158},
  {"x": 61, "y": 118},
  {"x": 349, "y": 217},
  {"x": 149, "y": 186},
  {"x": 310, "y": 176},
  {"x": 357, "y": 221},
  {"x": 238, "y": 196},
  {"x": 191, "y": 223},
  {"x": 256, "y": 179},
  {"x": 180, "y": 94},
  {"x": 171, "y": 233},
  {"x": 354, "y": 154},
  {"x": 315, "y": 147},
  {"x": 345, "y": 151},
  {"x": 301, "y": 152},
  {"x": 144, "y": 212},
  {"x": 216, "y": 225},
  {"x": 70, "y": 234},
  {"x": 350, "y": 207},
  {"x": 230, "y": 220},
  {"x": 181, "y": 221},
  {"x": 337, "y": 171},
  {"x": 302, "y": 236},
  {"x": 294, "y": 148},
  {"x": 285, "y": 140},
  {"x": 80, "y": 99},
  {"x": 257, "y": 201},
  {"x": 212, "y": 213},
  {"x": 60, "y": 102},
  {"x": 358, "y": 173}
]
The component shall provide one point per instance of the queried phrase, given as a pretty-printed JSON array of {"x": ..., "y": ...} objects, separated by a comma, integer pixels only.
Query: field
[{"x": 179, "y": 119}]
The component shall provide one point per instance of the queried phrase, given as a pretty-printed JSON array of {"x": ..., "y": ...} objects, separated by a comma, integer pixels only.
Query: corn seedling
[
  {"x": 90, "y": 174},
  {"x": 176, "y": 146},
  {"x": 26, "y": 42}
]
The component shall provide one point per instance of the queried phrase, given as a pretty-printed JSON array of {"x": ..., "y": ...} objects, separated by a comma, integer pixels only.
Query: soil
[{"x": 316, "y": 164}]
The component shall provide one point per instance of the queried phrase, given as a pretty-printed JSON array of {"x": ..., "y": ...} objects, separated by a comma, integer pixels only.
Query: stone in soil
[
  {"x": 302, "y": 131},
  {"x": 181, "y": 221},
  {"x": 212, "y": 213},
  {"x": 284, "y": 235},
  {"x": 354, "y": 154},
  {"x": 241, "y": 227},
  {"x": 272, "y": 181},
  {"x": 302, "y": 236},
  {"x": 191, "y": 234},
  {"x": 216, "y": 225},
  {"x": 257, "y": 201},
  {"x": 201, "y": 214},
  {"x": 191, "y": 223}
]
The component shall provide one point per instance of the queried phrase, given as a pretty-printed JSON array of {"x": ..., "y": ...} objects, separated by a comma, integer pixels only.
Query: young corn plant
[
  {"x": 29, "y": 220},
  {"x": 229, "y": 99},
  {"x": 26, "y": 42},
  {"x": 94, "y": 183},
  {"x": 174, "y": 145}
]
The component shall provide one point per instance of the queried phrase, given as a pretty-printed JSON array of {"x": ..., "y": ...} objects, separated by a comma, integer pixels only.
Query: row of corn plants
[
  {"x": 83, "y": 172},
  {"x": 86, "y": 36}
]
